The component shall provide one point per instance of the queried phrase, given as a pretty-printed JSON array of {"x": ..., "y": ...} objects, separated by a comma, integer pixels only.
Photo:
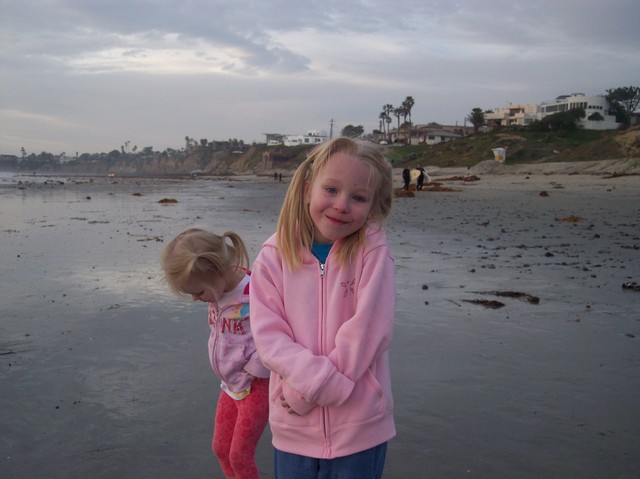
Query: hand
[{"x": 285, "y": 405}]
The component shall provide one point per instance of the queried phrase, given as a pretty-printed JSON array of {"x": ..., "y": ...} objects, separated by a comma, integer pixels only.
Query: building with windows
[
  {"x": 312, "y": 137},
  {"x": 520, "y": 114},
  {"x": 591, "y": 105}
]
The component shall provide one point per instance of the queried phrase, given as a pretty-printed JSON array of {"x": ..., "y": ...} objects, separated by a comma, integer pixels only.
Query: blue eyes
[{"x": 359, "y": 198}]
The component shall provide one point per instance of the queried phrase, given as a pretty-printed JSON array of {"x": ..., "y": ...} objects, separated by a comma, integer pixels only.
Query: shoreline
[{"x": 626, "y": 166}]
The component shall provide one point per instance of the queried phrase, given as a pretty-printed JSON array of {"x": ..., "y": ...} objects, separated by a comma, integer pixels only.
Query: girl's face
[
  {"x": 340, "y": 198},
  {"x": 208, "y": 289}
]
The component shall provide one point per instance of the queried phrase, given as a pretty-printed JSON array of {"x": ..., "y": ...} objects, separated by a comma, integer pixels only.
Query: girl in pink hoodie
[
  {"x": 323, "y": 299},
  {"x": 208, "y": 268}
]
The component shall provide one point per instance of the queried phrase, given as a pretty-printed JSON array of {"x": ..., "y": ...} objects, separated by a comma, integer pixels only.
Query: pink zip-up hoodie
[
  {"x": 324, "y": 332},
  {"x": 232, "y": 351}
]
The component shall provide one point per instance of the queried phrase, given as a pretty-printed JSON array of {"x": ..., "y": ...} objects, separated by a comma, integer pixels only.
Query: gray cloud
[{"x": 89, "y": 75}]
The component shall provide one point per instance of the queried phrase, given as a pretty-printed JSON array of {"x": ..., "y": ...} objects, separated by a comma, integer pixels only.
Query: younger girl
[
  {"x": 323, "y": 295},
  {"x": 202, "y": 264}
]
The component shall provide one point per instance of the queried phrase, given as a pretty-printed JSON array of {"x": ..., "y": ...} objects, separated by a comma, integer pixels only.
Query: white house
[
  {"x": 312, "y": 137},
  {"x": 514, "y": 114},
  {"x": 590, "y": 104},
  {"x": 434, "y": 137},
  {"x": 524, "y": 113}
]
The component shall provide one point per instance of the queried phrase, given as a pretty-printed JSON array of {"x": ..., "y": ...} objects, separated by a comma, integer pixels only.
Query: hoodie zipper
[{"x": 325, "y": 426}]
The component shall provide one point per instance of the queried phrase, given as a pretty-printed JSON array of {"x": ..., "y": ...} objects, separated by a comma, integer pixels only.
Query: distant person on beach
[
  {"x": 323, "y": 295},
  {"x": 214, "y": 269},
  {"x": 406, "y": 177},
  {"x": 421, "y": 175}
]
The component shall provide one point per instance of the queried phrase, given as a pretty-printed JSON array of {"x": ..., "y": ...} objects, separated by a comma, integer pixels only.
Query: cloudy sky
[{"x": 88, "y": 75}]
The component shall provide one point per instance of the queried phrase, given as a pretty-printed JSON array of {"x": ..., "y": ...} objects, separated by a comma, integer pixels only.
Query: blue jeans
[{"x": 361, "y": 465}]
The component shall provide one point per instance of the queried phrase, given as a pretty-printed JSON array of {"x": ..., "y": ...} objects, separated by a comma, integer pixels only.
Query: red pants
[{"x": 237, "y": 430}]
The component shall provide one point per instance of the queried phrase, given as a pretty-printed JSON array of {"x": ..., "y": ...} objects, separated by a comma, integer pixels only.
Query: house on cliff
[{"x": 596, "y": 108}]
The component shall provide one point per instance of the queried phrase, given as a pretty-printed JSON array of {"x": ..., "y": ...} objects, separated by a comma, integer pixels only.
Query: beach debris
[
  {"x": 571, "y": 219},
  {"x": 14, "y": 347},
  {"x": 136, "y": 194},
  {"x": 401, "y": 193},
  {"x": 487, "y": 303},
  {"x": 544, "y": 193},
  {"x": 151, "y": 238},
  {"x": 529, "y": 298},
  {"x": 438, "y": 187},
  {"x": 168, "y": 200},
  {"x": 632, "y": 285},
  {"x": 618, "y": 175},
  {"x": 467, "y": 178}
]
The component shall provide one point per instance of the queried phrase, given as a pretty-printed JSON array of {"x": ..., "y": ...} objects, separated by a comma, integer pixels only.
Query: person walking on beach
[
  {"x": 323, "y": 295},
  {"x": 214, "y": 269},
  {"x": 421, "y": 176},
  {"x": 406, "y": 178}
]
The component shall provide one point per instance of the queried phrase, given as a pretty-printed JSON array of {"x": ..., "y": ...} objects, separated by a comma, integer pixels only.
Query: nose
[{"x": 341, "y": 203}]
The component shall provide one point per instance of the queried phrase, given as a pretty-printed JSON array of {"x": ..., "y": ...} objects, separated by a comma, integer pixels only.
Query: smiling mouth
[{"x": 336, "y": 221}]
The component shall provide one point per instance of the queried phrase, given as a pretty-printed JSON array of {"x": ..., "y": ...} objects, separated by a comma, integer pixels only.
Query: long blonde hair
[
  {"x": 295, "y": 227},
  {"x": 196, "y": 251}
]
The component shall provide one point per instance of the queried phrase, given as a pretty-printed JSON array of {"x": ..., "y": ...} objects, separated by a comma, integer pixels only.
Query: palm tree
[
  {"x": 476, "y": 118},
  {"x": 382, "y": 117},
  {"x": 408, "y": 105},
  {"x": 398, "y": 112},
  {"x": 386, "y": 118}
]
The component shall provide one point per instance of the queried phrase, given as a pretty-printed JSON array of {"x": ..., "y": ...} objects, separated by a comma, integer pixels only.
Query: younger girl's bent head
[
  {"x": 358, "y": 167},
  {"x": 202, "y": 264}
]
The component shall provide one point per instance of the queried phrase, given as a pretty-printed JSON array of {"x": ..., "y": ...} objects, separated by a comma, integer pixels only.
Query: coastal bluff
[{"x": 524, "y": 149}]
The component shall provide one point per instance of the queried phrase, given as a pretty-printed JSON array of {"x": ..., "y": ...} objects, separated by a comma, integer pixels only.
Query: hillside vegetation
[{"x": 523, "y": 147}]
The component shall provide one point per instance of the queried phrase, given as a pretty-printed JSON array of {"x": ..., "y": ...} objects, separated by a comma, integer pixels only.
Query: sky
[{"x": 87, "y": 76}]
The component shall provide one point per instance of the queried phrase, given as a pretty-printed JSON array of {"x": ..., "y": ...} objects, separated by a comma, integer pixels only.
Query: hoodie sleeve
[{"x": 367, "y": 334}]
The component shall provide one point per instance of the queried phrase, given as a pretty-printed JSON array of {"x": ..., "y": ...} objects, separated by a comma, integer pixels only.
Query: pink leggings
[{"x": 237, "y": 430}]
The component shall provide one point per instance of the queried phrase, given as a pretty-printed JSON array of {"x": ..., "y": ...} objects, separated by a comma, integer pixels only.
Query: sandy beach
[{"x": 516, "y": 350}]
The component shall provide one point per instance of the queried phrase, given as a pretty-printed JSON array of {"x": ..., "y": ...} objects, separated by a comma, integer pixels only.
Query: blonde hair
[
  {"x": 196, "y": 251},
  {"x": 295, "y": 226}
]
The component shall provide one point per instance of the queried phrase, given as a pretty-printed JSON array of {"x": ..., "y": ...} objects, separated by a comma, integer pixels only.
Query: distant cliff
[
  {"x": 220, "y": 158},
  {"x": 199, "y": 160}
]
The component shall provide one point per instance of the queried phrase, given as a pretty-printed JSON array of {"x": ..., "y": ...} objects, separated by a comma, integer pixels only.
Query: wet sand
[{"x": 104, "y": 374}]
